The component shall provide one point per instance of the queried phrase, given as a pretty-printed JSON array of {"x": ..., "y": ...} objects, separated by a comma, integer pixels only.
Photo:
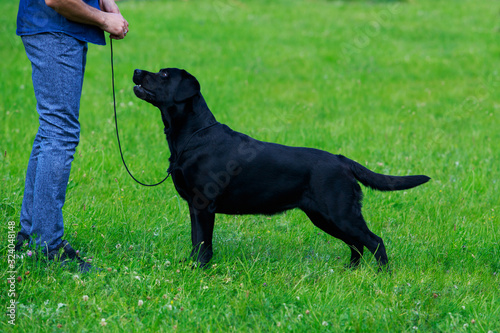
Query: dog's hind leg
[
  {"x": 356, "y": 253},
  {"x": 357, "y": 228},
  {"x": 354, "y": 232},
  {"x": 376, "y": 246},
  {"x": 346, "y": 214},
  {"x": 202, "y": 229},
  {"x": 330, "y": 228}
]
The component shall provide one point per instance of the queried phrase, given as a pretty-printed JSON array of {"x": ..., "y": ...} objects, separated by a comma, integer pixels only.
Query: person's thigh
[{"x": 58, "y": 65}]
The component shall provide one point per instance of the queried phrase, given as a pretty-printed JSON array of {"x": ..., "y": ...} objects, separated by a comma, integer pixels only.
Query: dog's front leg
[{"x": 202, "y": 229}]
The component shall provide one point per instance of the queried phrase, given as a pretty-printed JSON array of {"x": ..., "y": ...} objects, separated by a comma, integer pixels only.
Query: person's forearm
[
  {"x": 78, "y": 11},
  {"x": 109, "y": 19}
]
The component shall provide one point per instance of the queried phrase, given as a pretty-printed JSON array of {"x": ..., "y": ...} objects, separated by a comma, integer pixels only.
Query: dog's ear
[{"x": 188, "y": 87}]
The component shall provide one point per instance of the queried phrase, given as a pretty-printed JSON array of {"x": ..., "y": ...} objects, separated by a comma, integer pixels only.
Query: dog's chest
[{"x": 180, "y": 184}]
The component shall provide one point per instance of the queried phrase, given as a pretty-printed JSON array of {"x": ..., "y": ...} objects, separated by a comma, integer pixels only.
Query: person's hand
[{"x": 115, "y": 23}]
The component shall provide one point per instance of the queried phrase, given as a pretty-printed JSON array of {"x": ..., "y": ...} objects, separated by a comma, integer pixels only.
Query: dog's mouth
[
  {"x": 143, "y": 93},
  {"x": 140, "y": 91}
]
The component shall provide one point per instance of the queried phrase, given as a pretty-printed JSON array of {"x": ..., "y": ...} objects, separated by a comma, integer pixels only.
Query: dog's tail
[{"x": 382, "y": 182}]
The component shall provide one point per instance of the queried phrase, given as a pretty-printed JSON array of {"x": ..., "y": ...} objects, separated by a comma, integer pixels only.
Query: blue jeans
[{"x": 58, "y": 65}]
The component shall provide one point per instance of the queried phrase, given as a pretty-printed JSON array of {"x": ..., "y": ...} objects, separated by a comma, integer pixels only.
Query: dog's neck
[{"x": 182, "y": 120}]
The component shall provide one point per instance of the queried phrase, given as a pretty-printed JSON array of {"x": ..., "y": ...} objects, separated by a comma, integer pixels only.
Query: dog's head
[{"x": 167, "y": 87}]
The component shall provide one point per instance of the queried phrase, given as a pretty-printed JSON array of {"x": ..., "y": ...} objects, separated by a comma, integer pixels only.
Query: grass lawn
[{"x": 401, "y": 87}]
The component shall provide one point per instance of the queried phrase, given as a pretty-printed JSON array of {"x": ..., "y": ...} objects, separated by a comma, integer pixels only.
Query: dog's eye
[{"x": 164, "y": 74}]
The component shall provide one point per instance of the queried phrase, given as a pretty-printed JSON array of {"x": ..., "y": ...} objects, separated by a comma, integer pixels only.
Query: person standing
[{"x": 55, "y": 34}]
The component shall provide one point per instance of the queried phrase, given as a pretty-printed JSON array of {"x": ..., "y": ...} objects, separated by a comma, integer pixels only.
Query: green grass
[{"x": 402, "y": 87}]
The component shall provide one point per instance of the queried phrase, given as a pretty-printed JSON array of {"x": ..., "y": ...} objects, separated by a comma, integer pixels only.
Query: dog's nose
[{"x": 138, "y": 76}]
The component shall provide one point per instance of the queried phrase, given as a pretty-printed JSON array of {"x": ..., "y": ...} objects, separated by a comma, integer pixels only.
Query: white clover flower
[
  {"x": 85, "y": 298},
  {"x": 140, "y": 303}
]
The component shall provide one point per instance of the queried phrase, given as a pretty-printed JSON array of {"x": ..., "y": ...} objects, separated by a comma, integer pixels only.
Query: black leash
[
  {"x": 118, "y": 135},
  {"x": 116, "y": 124}
]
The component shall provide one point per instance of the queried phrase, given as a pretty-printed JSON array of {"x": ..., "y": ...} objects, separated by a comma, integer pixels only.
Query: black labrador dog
[{"x": 218, "y": 170}]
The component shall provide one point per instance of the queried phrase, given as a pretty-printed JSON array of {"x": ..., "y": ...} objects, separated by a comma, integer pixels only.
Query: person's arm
[{"x": 109, "y": 19}]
